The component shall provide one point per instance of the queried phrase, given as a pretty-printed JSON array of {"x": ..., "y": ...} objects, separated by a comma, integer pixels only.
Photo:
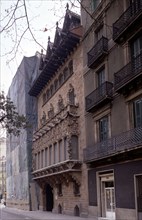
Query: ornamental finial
[{"x": 67, "y": 6}]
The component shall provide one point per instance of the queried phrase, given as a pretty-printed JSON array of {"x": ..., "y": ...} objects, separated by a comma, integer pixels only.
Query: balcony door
[
  {"x": 136, "y": 53},
  {"x": 137, "y": 113}
]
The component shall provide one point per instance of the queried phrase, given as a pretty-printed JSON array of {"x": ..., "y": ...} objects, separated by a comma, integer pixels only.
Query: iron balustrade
[
  {"x": 102, "y": 93},
  {"x": 99, "y": 50},
  {"x": 125, "y": 141},
  {"x": 128, "y": 72},
  {"x": 128, "y": 17}
]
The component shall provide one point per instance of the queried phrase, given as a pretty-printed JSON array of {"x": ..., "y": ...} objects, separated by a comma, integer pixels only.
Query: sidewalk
[{"x": 42, "y": 215}]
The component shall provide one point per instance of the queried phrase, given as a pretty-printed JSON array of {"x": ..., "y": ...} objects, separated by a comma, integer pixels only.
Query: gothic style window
[
  {"x": 70, "y": 67},
  {"x": 55, "y": 153},
  {"x": 60, "y": 79},
  {"x": 44, "y": 98},
  {"x": 60, "y": 150},
  {"x": 65, "y": 72},
  {"x": 65, "y": 148},
  {"x": 51, "y": 90},
  {"x": 47, "y": 94},
  {"x": 74, "y": 147},
  {"x": 50, "y": 154},
  {"x": 56, "y": 84}
]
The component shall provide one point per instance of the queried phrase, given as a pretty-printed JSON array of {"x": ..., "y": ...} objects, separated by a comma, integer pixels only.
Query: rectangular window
[
  {"x": 42, "y": 158},
  {"x": 137, "y": 106},
  {"x": 38, "y": 160},
  {"x": 103, "y": 128},
  {"x": 50, "y": 154},
  {"x": 101, "y": 76},
  {"x": 55, "y": 153},
  {"x": 65, "y": 149},
  {"x": 60, "y": 151},
  {"x": 46, "y": 157},
  {"x": 136, "y": 53}
]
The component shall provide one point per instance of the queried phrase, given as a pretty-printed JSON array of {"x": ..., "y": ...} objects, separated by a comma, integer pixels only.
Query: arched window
[
  {"x": 65, "y": 72},
  {"x": 47, "y": 94},
  {"x": 56, "y": 84},
  {"x": 76, "y": 211},
  {"x": 70, "y": 67},
  {"x": 44, "y": 98},
  {"x": 74, "y": 147},
  {"x": 60, "y": 79},
  {"x": 51, "y": 90}
]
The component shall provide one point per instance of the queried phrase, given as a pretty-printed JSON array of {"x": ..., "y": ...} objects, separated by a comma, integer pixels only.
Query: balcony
[
  {"x": 128, "y": 74},
  {"x": 98, "y": 52},
  {"x": 124, "y": 142},
  {"x": 128, "y": 21},
  {"x": 99, "y": 97}
]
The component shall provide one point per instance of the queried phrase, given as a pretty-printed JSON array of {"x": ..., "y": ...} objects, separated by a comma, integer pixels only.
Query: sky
[{"x": 43, "y": 15}]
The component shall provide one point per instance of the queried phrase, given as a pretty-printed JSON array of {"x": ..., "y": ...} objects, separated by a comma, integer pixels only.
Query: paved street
[{"x": 16, "y": 214}]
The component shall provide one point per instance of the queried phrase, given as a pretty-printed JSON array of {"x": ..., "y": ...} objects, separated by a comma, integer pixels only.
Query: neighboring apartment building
[
  {"x": 57, "y": 144},
  {"x": 18, "y": 155},
  {"x": 112, "y": 65},
  {"x": 2, "y": 168}
]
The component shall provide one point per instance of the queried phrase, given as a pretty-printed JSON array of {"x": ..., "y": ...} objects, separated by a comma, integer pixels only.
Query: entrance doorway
[
  {"x": 138, "y": 189},
  {"x": 107, "y": 197},
  {"x": 109, "y": 202},
  {"x": 49, "y": 198}
]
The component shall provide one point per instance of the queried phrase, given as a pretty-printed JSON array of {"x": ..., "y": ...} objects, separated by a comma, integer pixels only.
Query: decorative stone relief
[{"x": 43, "y": 119}]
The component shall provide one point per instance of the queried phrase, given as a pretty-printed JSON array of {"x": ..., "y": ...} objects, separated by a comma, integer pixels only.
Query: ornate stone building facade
[{"x": 59, "y": 140}]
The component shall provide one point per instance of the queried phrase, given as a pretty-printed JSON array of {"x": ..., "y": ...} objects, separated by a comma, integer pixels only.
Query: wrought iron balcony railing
[
  {"x": 100, "y": 96},
  {"x": 131, "y": 15},
  {"x": 99, "y": 51},
  {"x": 125, "y": 141},
  {"x": 128, "y": 73}
]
